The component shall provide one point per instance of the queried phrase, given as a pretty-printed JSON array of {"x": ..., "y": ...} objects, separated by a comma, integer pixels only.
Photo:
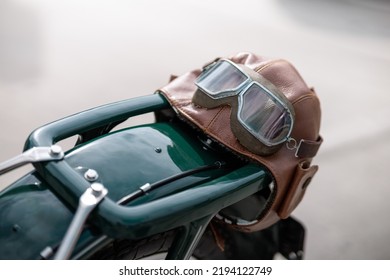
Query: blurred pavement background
[{"x": 61, "y": 57}]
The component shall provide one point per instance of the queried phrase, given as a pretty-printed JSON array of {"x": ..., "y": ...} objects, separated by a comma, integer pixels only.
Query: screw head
[
  {"x": 16, "y": 228},
  {"x": 55, "y": 150},
  {"x": 97, "y": 188}
]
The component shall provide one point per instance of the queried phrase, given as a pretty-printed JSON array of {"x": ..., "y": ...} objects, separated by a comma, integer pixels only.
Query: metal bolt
[
  {"x": 47, "y": 253},
  {"x": 97, "y": 188},
  {"x": 91, "y": 175},
  {"x": 55, "y": 150},
  {"x": 292, "y": 256}
]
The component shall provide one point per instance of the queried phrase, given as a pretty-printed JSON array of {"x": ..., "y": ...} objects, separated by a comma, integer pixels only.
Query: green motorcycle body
[{"x": 36, "y": 210}]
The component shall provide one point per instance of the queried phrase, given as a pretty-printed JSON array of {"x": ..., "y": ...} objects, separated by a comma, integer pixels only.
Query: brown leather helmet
[{"x": 290, "y": 166}]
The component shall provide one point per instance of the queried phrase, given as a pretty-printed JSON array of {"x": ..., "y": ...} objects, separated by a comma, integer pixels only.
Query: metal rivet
[
  {"x": 158, "y": 150},
  {"x": 91, "y": 175}
]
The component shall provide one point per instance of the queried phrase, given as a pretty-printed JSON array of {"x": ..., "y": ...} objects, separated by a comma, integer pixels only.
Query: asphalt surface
[{"x": 61, "y": 57}]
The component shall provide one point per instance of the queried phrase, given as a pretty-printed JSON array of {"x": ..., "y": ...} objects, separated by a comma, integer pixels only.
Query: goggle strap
[{"x": 305, "y": 148}]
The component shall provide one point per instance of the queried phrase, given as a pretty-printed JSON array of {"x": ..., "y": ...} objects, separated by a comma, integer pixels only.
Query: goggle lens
[
  {"x": 264, "y": 116},
  {"x": 223, "y": 79}
]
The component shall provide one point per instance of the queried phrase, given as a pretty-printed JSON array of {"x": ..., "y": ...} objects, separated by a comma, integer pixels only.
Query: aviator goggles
[{"x": 261, "y": 117}]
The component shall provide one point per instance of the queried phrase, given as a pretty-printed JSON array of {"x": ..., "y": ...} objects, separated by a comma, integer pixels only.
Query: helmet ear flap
[{"x": 302, "y": 178}]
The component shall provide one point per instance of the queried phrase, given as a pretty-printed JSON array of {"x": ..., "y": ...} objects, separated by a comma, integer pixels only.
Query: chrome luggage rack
[{"x": 87, "y": 202}]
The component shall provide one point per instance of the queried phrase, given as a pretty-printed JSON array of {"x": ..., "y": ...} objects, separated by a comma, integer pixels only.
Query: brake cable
[{"x": 149, "y": 187}]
